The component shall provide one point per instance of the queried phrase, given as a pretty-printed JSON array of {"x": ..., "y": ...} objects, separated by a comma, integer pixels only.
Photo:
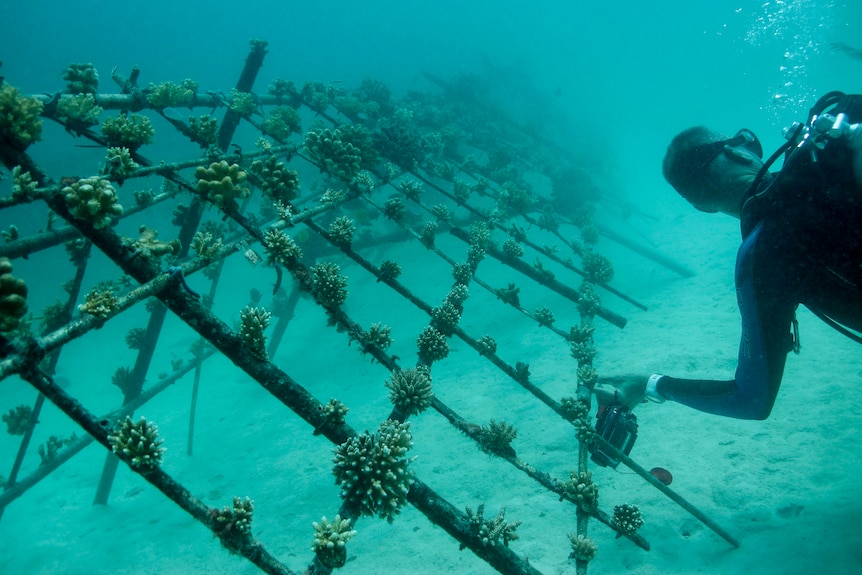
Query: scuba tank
[{"x": 835, "y": 117}]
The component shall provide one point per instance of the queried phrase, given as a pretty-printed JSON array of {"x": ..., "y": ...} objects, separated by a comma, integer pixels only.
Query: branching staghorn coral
[
  {"x": 281, "y": 249},
  {"x": 378, "y": 336},
  {"x": 93, "y": 200},
  {"x": 389, "y": 271},
  {"x": 330, "y": 541},
  {"x": 329, "y": 287},
  {"x": 232, "y": 525},
  {"x": 597, "y": 267},
  {"x": 254, "y": 321},
  {"x": 79, "y": 111},
  {"x": 128, "y": 131},
  {"x": 341, "y": 230},
  {"x": 428, "y": 233},
  {"x": 170, "y": 95},
  {"x": 137, "y": 443},
  {"x": 445, "y": 318},
  {"x": 492, "y": 531},
  {"x": 432, "y": 346},
  {"x": 373, "y": 470},
  {"x": 544, "y": 316},
  {"x": 410, "y": 390},
  {"x": 205, "y": 246},
  {"x": 496, "y": 437}
]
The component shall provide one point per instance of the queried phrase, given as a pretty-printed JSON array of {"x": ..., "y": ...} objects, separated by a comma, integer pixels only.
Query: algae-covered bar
[{"x": 358, "y": 277}]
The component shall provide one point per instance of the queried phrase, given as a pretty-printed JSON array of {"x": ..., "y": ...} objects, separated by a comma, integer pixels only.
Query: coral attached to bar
[
  {"x": 81, "y": 79},
  {"x": 205, "y": 246},
  {"x": 18, "y": 419},
  {"x": 496, "y": 437},
  {"x": 128, "y": 131},
  {"x": 20, "y": 125},
  {"x": 277, "y": 182},
  {"x": 49, "y": 450},
  {"x": 337, "y": 158},
  {"x": 512, "y": 250},
  {"x": 583, "y": 548},
  {"x": 432, "y": 346},
  {"x": 13, "y": 297},
  {"x": 170, "y": 95},
  {"x": 445, "y": 318},
  {"x": 373, "y": 472},
  {"x": 487, "y": 345},
  {"x": 281, "y": 249},
  {"x": 221, "y": 184},
  {"x": 232, "y": 525},
  {"x": 100, "y": 303},
  {"x": 119, "y": 164},
  {"x": 581, "y": 489},
  {"x": 341, "y": 231},
  {"x": 544, "y": 316},
  {"x": 93, "y": 200},
  {"x": 389, "y": 271},
  {"x": 410, "y": 390},
  {"x": 243, "y": 103},
  {"x": 627, "y": 519},
  {"x": 281, "y": 122},
  {"x": 149, "y": 246},
  {"x": 492, "y": 531},
  {"x": 254, "y": 321},
  {"x": 204, "y": 130},
  {"x": 598, "y": 268},
  {"x": 329, "y": 287},
  {"x": 330, "y": 541},
  {"x": 23, "y": 186},
  {"x": 138, "y": 444},
  {"x": 79, "y": 111},
  {"x": 378, "y": 336}
]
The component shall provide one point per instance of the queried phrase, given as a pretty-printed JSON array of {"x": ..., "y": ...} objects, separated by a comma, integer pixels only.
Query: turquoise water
[{"x": 610, "y": 84}]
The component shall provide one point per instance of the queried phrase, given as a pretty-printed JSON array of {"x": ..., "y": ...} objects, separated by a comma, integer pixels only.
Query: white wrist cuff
[{"x": 652, "y": 393}]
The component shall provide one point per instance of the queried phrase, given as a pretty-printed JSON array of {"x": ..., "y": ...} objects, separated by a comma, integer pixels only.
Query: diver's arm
[{"x": 763, "y": 350}]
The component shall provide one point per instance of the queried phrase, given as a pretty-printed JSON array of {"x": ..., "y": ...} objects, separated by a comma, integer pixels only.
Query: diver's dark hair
[{"x": 682, "y": 166}]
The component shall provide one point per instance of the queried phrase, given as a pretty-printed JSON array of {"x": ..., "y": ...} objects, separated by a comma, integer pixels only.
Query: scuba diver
[{"x": 801, "y": 244}]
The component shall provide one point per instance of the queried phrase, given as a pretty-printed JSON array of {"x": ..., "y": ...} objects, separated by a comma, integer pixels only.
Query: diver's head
[{"x": 711, "y": 171}]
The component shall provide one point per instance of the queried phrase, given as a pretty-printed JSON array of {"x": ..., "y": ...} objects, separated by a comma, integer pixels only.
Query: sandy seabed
[{"x": 787, "y": 488}]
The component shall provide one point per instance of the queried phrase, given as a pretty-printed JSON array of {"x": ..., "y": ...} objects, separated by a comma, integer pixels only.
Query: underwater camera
[{"x": 619, "y": 427}]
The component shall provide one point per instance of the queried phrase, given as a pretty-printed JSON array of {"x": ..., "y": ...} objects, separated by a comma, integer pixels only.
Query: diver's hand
[{"x": 627, "y": 389}]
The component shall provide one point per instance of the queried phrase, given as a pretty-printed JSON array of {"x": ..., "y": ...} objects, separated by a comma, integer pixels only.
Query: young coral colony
[{"x": 372, "y": 469}]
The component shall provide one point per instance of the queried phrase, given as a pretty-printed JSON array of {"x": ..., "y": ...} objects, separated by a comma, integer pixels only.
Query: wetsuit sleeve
[{"x": 766, "y": 311}]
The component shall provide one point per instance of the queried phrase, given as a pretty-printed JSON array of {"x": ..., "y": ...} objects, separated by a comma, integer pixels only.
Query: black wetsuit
[{"x": 802, "y": 244}]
